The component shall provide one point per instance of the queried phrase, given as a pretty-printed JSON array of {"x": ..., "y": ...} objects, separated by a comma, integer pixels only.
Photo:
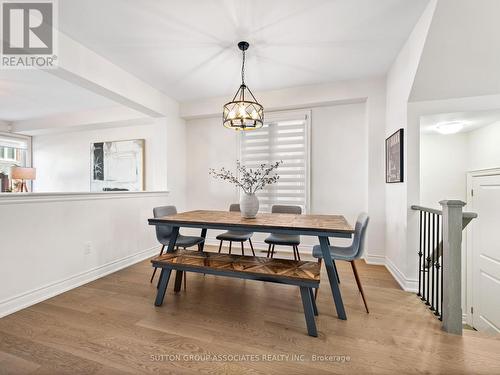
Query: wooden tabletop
[{"x": 328, "y": 225}]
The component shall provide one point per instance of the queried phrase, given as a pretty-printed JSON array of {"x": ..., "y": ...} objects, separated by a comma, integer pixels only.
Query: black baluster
[
  {"x": 428, "y": 259},
  {"x": 433, "y": 255},
  {"x": 442, "y": 272},
  {"x": 423, "y": 261},
  {"x": 420, "y": 256},
  {"x": 437, "y": 312}
]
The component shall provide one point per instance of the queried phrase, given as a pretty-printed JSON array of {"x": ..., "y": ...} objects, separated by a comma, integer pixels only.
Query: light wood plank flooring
[{"x": 110, "y": 326}]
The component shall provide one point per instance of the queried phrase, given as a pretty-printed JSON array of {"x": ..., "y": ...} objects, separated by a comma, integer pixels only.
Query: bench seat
[{"x": 305, "y": 275}]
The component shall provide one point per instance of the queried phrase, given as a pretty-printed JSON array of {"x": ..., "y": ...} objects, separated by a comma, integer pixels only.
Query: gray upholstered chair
[
  {"x": 235, "y": 236},
  {"x": 349, "y": 253},
  {"x": 164, "y": 232},
  {"x": 284, "y": 239}
]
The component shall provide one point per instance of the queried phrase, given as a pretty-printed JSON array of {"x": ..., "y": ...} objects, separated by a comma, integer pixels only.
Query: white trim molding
[
  {"x": 378, "y": 260},
  {"x": 29, "y": 298},
  {"x": 408, "y": 285},
  {"x": 14, "y": 198}
]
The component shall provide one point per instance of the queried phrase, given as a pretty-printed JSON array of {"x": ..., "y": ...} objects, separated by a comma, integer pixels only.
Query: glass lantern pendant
[{"x": 243, "y": 112}]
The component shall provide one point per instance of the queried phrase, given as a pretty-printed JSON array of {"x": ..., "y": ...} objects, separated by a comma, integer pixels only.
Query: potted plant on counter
[{"x": 249, "y": 180}]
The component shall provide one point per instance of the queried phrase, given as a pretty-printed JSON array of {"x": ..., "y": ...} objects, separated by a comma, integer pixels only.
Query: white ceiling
[
  {"x": 27, "y": 94},
  {"x": 471, "y": 120},
  {"x": 187, "y": 49}
]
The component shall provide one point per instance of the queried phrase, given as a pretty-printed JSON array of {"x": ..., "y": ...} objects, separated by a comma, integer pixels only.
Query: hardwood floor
[{"x": 110, "y": 326}]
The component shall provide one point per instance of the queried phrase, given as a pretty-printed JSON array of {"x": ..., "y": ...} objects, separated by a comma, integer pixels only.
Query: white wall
[
  {"x": 177, "y": 171},
  {"x": 63, "y": 159},
  {"x": 443, "y": 166},
  {"x": 339, "y": 160},
  {"x": 459, "y": 59},
  {"x": 204, "y": 130},
  {"x": 339, "y": 163},
  {"x": 43, "y": 249},
  {"x": 446, "y": 159},
  {"x": 484, "y": 147},
  {"x": 399, "y": 218},
  {"x": 209, "y": 145},
  {"x": 61, "y": 226}
]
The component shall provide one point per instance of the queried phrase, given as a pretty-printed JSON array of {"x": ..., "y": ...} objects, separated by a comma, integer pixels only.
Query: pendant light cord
[{"x": 243, "y": 70}]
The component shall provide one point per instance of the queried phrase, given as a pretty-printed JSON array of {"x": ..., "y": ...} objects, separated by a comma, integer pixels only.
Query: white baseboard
[
  {"x": 378, "y": 260},
  {"x": 21, "y": 301},
  {"x": 408, "y": 285}
]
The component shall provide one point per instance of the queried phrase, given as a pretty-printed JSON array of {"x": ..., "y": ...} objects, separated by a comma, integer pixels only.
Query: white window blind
[{"x": 284, "y": 136}]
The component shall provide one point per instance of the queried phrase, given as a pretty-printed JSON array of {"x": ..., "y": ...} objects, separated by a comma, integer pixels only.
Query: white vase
[{"x": 249, "y": 206}]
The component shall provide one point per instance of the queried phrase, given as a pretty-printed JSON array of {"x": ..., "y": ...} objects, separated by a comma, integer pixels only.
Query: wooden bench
[{"x": 305, "y": 275}]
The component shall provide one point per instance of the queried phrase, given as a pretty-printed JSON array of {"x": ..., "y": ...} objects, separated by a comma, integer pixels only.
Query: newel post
[{"x": 452, "y": 266}]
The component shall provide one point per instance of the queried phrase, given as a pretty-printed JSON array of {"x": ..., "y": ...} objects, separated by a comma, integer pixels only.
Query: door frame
[{"x": 469, "y": 251}]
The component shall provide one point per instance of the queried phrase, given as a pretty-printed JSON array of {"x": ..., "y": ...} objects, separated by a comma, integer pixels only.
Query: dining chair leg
[
  {"x": 242, "y": 249},
  {"x": 153, "y": 275},
  {"x": 317, "y": 289},
  {"x": 297, "y": 250},
  {"x": 272, "y": 251},
  {"x": 294, "y": 254},
  {"x": 200, "y": 247},
  {"x": 220, "y": 246},
  {"x": 230, "y": 244},
  {"x": 154, "y": 271},
  {"x": 358, "y": 281},
  {"x": 269, "y": 251},
  {"x": 185, "y": 274},
  {"x": 251, "y": 246}
]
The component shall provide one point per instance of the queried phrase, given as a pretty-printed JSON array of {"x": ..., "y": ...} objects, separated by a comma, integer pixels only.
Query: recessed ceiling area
[
  {"x": 470, "y": 120},
  {"x": 187, "y": 49},
  {"x": 28, "y": 94}
]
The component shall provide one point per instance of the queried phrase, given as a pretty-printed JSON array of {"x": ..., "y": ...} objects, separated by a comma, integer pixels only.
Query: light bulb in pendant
[{"x": 242, "y": 111}]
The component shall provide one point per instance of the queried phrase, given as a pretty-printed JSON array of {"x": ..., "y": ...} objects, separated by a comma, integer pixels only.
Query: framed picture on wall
[
  {"x": 394, "y": 163},
  {"x": 117, "y": 166}
]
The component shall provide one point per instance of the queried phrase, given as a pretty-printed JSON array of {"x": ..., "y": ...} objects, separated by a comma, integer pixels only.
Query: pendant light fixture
[{"x": 243, "y": 112}]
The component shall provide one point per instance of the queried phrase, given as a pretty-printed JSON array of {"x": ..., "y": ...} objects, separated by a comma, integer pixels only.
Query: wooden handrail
[{"x": 465, "y": 215}]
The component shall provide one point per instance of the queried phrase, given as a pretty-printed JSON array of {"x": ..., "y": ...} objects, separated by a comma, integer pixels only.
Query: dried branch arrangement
[{"x": 250, "y": 180}]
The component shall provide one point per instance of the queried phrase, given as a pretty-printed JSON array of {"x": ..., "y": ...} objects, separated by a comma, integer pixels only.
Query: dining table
[{"x": 321, "y": 226}]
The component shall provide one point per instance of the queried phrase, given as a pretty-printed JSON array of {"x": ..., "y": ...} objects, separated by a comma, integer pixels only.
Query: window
[
  {"x": 284, "y": 136},
  {"x": 15, "y": 150}
]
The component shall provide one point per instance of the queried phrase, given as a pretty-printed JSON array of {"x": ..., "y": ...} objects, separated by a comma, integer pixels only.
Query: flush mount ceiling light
[
  {"x": 449, "y": 127},
  {"x": 243, "y": 112}
]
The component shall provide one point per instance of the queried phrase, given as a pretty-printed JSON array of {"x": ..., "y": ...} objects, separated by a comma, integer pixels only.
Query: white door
[{"x": 486, "y": 253}]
